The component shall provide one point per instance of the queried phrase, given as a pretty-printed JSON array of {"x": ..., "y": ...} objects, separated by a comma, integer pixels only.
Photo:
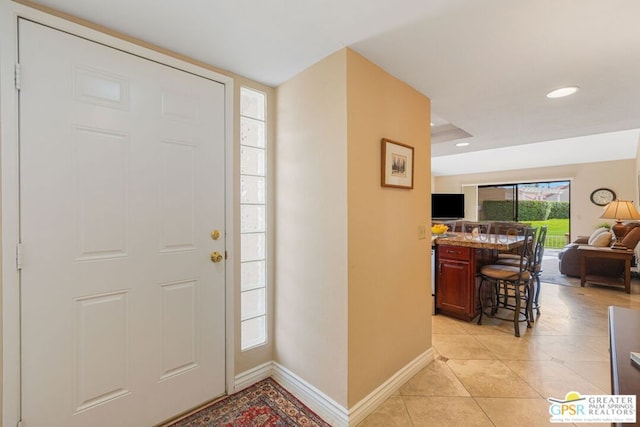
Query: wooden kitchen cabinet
[{"x": 456, "y": 282}]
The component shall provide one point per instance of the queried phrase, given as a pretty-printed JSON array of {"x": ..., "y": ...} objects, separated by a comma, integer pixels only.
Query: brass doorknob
[
  {"x": 216, "y": 257},
  {"x": 215, "y": 234}
]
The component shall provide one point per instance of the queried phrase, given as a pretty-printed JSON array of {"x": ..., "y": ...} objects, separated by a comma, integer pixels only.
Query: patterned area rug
[{"x": 265, "y": 403}]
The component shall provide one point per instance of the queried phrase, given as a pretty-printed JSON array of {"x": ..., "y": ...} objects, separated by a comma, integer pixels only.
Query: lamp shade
[{"x": 620, "y": 210}]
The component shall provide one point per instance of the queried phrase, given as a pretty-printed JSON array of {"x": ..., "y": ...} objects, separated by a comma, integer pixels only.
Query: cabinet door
[{"x": 453, "y": 292}]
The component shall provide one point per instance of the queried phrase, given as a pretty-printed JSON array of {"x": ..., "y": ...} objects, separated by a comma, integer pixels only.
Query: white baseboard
[
  {"x": 252, "y": 376},
  {"x": 377, "y": 397},
  {"x": 327, "y": 408}
]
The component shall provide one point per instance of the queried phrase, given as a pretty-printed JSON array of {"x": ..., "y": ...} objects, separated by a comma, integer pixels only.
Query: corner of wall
[
  {"x": 311, "y": 227},
  {"x": 389, "y": 307}
]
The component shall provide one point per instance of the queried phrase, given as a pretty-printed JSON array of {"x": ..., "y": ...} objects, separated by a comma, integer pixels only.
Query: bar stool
[
  {"x": 536, "y": 267},
  {"x": 510, "y": 285}
]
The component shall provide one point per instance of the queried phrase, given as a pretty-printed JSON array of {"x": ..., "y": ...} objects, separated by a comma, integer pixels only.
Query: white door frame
[{"x": 9, "y": 168}]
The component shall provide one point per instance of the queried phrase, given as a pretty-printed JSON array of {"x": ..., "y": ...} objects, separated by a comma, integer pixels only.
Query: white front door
[{"x": 121, "y": 185}]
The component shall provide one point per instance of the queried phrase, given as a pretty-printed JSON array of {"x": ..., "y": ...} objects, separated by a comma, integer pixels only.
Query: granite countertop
[{"x": 491, "y": 241}]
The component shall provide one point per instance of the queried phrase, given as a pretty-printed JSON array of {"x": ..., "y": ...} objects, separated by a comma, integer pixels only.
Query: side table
[{"x": 625, "y": 255}]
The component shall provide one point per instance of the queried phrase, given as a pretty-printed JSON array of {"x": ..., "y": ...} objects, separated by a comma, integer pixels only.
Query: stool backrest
[
  {"x": 527, "y": 251},
  {"x": 539, "y": 250},
  {"x": 508, "y": 227},
  {"x": 469, "y": 226}
]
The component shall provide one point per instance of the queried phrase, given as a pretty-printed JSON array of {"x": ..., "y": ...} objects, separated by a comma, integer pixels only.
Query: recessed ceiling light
[
  {"x": 562, "y": 92},
  {"x": 462, "y": 144}
]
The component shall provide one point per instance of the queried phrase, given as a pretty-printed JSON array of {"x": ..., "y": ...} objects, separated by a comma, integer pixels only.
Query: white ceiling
[{"x": 486, "y": 65}]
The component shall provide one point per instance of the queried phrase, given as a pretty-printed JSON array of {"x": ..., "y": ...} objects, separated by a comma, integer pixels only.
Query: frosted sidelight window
[{"x": 253, "y": 219}]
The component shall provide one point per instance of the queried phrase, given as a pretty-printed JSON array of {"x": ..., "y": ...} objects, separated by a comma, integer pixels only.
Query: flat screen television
[{"x": 447, "y": 206}]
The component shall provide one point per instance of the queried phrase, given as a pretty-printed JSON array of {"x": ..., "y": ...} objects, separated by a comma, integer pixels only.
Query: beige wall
[
  {"x": 618, "y": 175},
  {"x": 311, "y": 227},
  {"x": 352, "y": 293},
  {"x": 389, "y": 311},
  {"x": 637, "y": 175}
]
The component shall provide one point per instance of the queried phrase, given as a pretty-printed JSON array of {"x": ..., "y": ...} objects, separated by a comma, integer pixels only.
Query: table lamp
[{"x": 620, "y": 210}]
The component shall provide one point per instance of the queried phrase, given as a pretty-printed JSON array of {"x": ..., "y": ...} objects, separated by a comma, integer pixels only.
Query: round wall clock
[{"x": 602, "y": 196}]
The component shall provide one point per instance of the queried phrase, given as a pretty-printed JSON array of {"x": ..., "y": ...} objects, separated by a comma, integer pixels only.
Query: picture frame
[{"x": 397, "y": 164}]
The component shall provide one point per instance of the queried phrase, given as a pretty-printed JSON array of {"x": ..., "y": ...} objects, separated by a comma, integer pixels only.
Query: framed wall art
[{"x": 397, "y": 164}]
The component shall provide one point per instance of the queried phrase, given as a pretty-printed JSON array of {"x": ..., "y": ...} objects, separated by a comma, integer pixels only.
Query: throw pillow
[
  {"x": 601, "y": 240},
  {"x": 595, "y": 234},
  {"x": 632, "y": 238}
]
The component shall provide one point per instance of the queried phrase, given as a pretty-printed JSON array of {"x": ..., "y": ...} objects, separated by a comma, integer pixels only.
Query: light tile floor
[{"x": 483, "y": 375}]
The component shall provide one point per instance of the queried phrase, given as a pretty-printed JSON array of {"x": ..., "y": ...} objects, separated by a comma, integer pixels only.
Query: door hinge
[
  {"x": 18, "y": 77},
  {"x": 19, "y": 256}
]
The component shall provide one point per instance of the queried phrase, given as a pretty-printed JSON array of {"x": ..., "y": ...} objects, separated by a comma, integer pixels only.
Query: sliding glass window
[{"x": 537, "y": 203}]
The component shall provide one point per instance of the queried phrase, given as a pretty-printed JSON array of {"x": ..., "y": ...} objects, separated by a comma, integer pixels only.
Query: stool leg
[
  {"x": 495, "y": 297},
  {"x": 505, "y": 301},
  {"x": 529, "y": 301},
  {"x": 516, "y": 313},
  {"x": 535, "y": 299},
  {"x": 481, "y": 300}
]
